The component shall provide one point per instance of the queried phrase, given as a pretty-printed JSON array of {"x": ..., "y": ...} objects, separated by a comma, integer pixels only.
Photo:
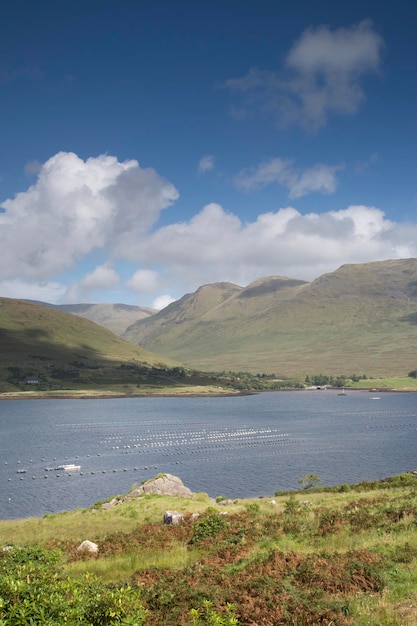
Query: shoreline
[
  {"x": 107, "y": 396},
  {"x": 91, "y": 395}
]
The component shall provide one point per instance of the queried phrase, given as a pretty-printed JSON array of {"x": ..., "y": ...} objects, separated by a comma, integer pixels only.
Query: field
[{"x": 342, "y": 555}]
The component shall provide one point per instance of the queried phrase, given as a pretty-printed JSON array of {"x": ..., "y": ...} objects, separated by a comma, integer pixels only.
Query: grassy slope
[
  {"x": 345, "y": 557},
  {"x": 63, "y": 348},
  {"x": 360, "y": 319}
]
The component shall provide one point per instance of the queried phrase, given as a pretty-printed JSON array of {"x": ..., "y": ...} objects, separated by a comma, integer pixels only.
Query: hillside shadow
[
  {"x": 411, "y": 319},
  {"x": 32, "y": 351},
  {"x": 271, "y": 286}
]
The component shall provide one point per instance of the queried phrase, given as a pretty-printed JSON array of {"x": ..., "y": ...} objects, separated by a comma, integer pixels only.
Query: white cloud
[
  {"x": 22, "y": 289},
  {"x": 217, "y": 246},
  {"x": 77, "y": 206},
  {"x": 365, "y": 165},
  {"x": 320, "y": 177},
  {"x": 206, "y": 164},
  {"x": 102, "y": 278},
  {"x": 32, "y": 168},
  {"x": 162, "y": 301},
  {"x": 322, "y": 74},
  {"x": 144, "y": 281}
]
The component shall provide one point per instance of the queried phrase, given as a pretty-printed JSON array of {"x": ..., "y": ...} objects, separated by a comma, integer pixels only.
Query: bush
[
  {"x": 209, "y": 526},
  {"x": 33, "y": 592},
  {"x": 206, "y": 615}
]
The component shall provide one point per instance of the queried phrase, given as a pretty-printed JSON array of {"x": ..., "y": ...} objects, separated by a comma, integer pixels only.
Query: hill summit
[{"x": 359, "y": 319}]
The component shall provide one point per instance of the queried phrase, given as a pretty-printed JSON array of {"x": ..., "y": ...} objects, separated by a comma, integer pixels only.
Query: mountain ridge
[
  {"x": 117, "y": 317},
  {"x": 359, "y": 319}
]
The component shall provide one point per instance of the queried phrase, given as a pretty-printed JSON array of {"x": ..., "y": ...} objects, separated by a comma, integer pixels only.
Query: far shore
[
  {"x": 100, "y": 395},
  {"x": 200, "y": 393}
]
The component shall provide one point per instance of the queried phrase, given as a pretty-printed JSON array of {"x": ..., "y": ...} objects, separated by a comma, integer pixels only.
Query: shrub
[
  {"x": 33, "y": 592},
  {"x": 209, "y": 526},
  {"x": 206, "y": 615},
  {"x": 252, "y": 507}
]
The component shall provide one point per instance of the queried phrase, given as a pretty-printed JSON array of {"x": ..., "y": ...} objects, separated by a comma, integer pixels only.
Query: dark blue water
[{"x": 236, "y": 447}]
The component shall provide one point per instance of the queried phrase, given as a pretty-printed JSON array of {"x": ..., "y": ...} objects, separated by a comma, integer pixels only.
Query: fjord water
[{"x": 238, "y": 447}]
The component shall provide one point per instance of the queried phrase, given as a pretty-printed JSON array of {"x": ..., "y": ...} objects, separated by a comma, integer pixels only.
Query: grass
[
  {"x": 404, "y": 383},
  {"x": 359, "y": 319},
  {"x": 122, "y": 567},
  {"x": 343, "y": 556}
]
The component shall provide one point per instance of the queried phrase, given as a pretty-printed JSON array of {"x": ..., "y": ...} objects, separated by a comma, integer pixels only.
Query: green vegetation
[
  {"x": 277, "y": 333},
  {"x": 309, "y": 481},
  {"x": 42, "y": 349},
  {"x": 360, "y": 318},
  {"x": 342, "y": 380},
  {"x": 345, "y": 556},
  {"x": 51, "y": 353},
  {"x": 398, "y": 383}
]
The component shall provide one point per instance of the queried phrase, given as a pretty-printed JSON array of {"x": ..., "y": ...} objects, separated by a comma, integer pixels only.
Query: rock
[
  {"x": 173, "y": 517},
  {"x": 88, "y": 546},
  {"x": 164, "y": 485},
  {"x": 109, "y": 505}
]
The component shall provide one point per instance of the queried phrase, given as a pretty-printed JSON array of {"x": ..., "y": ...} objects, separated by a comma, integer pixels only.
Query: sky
[{"x": 151, "y": 147}]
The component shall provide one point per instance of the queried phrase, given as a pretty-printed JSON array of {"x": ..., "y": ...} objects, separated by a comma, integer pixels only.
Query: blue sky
[{"x": 148, "y": 148}]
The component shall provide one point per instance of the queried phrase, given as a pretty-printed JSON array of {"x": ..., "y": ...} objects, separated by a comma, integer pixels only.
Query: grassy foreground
[{"x": 335, "y": 556}]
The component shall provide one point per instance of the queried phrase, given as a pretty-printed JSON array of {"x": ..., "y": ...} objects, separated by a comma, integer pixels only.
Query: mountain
[
  {"x": 360, "y": 319},
  {"x": 115, "y": 317},
  {"x": 60, "y": 350}
]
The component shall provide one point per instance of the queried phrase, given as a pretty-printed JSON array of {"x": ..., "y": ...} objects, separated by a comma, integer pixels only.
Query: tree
[{"x": 309, "y": 481}]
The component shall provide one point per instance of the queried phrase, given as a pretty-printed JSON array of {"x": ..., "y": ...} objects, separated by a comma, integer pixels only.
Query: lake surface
[{"x": 238, "y": 447}]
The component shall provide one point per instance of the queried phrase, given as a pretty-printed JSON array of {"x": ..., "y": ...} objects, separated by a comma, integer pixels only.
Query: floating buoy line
[{"x": 174, "y": 443}]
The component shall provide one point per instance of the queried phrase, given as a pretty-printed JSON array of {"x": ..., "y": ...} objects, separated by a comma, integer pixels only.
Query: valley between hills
[{"x": 358, "y": 322}]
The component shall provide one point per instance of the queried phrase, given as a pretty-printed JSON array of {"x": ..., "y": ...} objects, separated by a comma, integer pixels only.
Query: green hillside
[
  {"x": 359, "y": 319},
  {"x": 342, "y": 556},
  {"x": 64, "y": 351}
]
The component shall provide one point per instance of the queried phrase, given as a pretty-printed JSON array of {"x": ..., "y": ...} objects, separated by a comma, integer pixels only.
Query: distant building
[{"x": 31, "y": 380}]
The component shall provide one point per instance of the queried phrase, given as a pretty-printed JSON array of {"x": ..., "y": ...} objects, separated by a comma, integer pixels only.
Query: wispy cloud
[
  {"x": 32, "y": 168},
  {"x": 206, "y": 164},
  {"x": 322, "y": 74},
  {"x": 365, "y": 165},
  {"x": 319, "y": 178}
]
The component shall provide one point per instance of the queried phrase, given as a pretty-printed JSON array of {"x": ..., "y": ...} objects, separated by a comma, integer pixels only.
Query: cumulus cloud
[
  {"x": 206, "y": 164},
  {"x": 75, "y": 207},
  {"x": 322, "y": 74},
  {"x": 320, "y": 177},
  {"x": 217, "y": 246},
  {"x": 102, "y": 278},
  {"x": 162, "y": 301},
  {"x": 143, "y": 281}
]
